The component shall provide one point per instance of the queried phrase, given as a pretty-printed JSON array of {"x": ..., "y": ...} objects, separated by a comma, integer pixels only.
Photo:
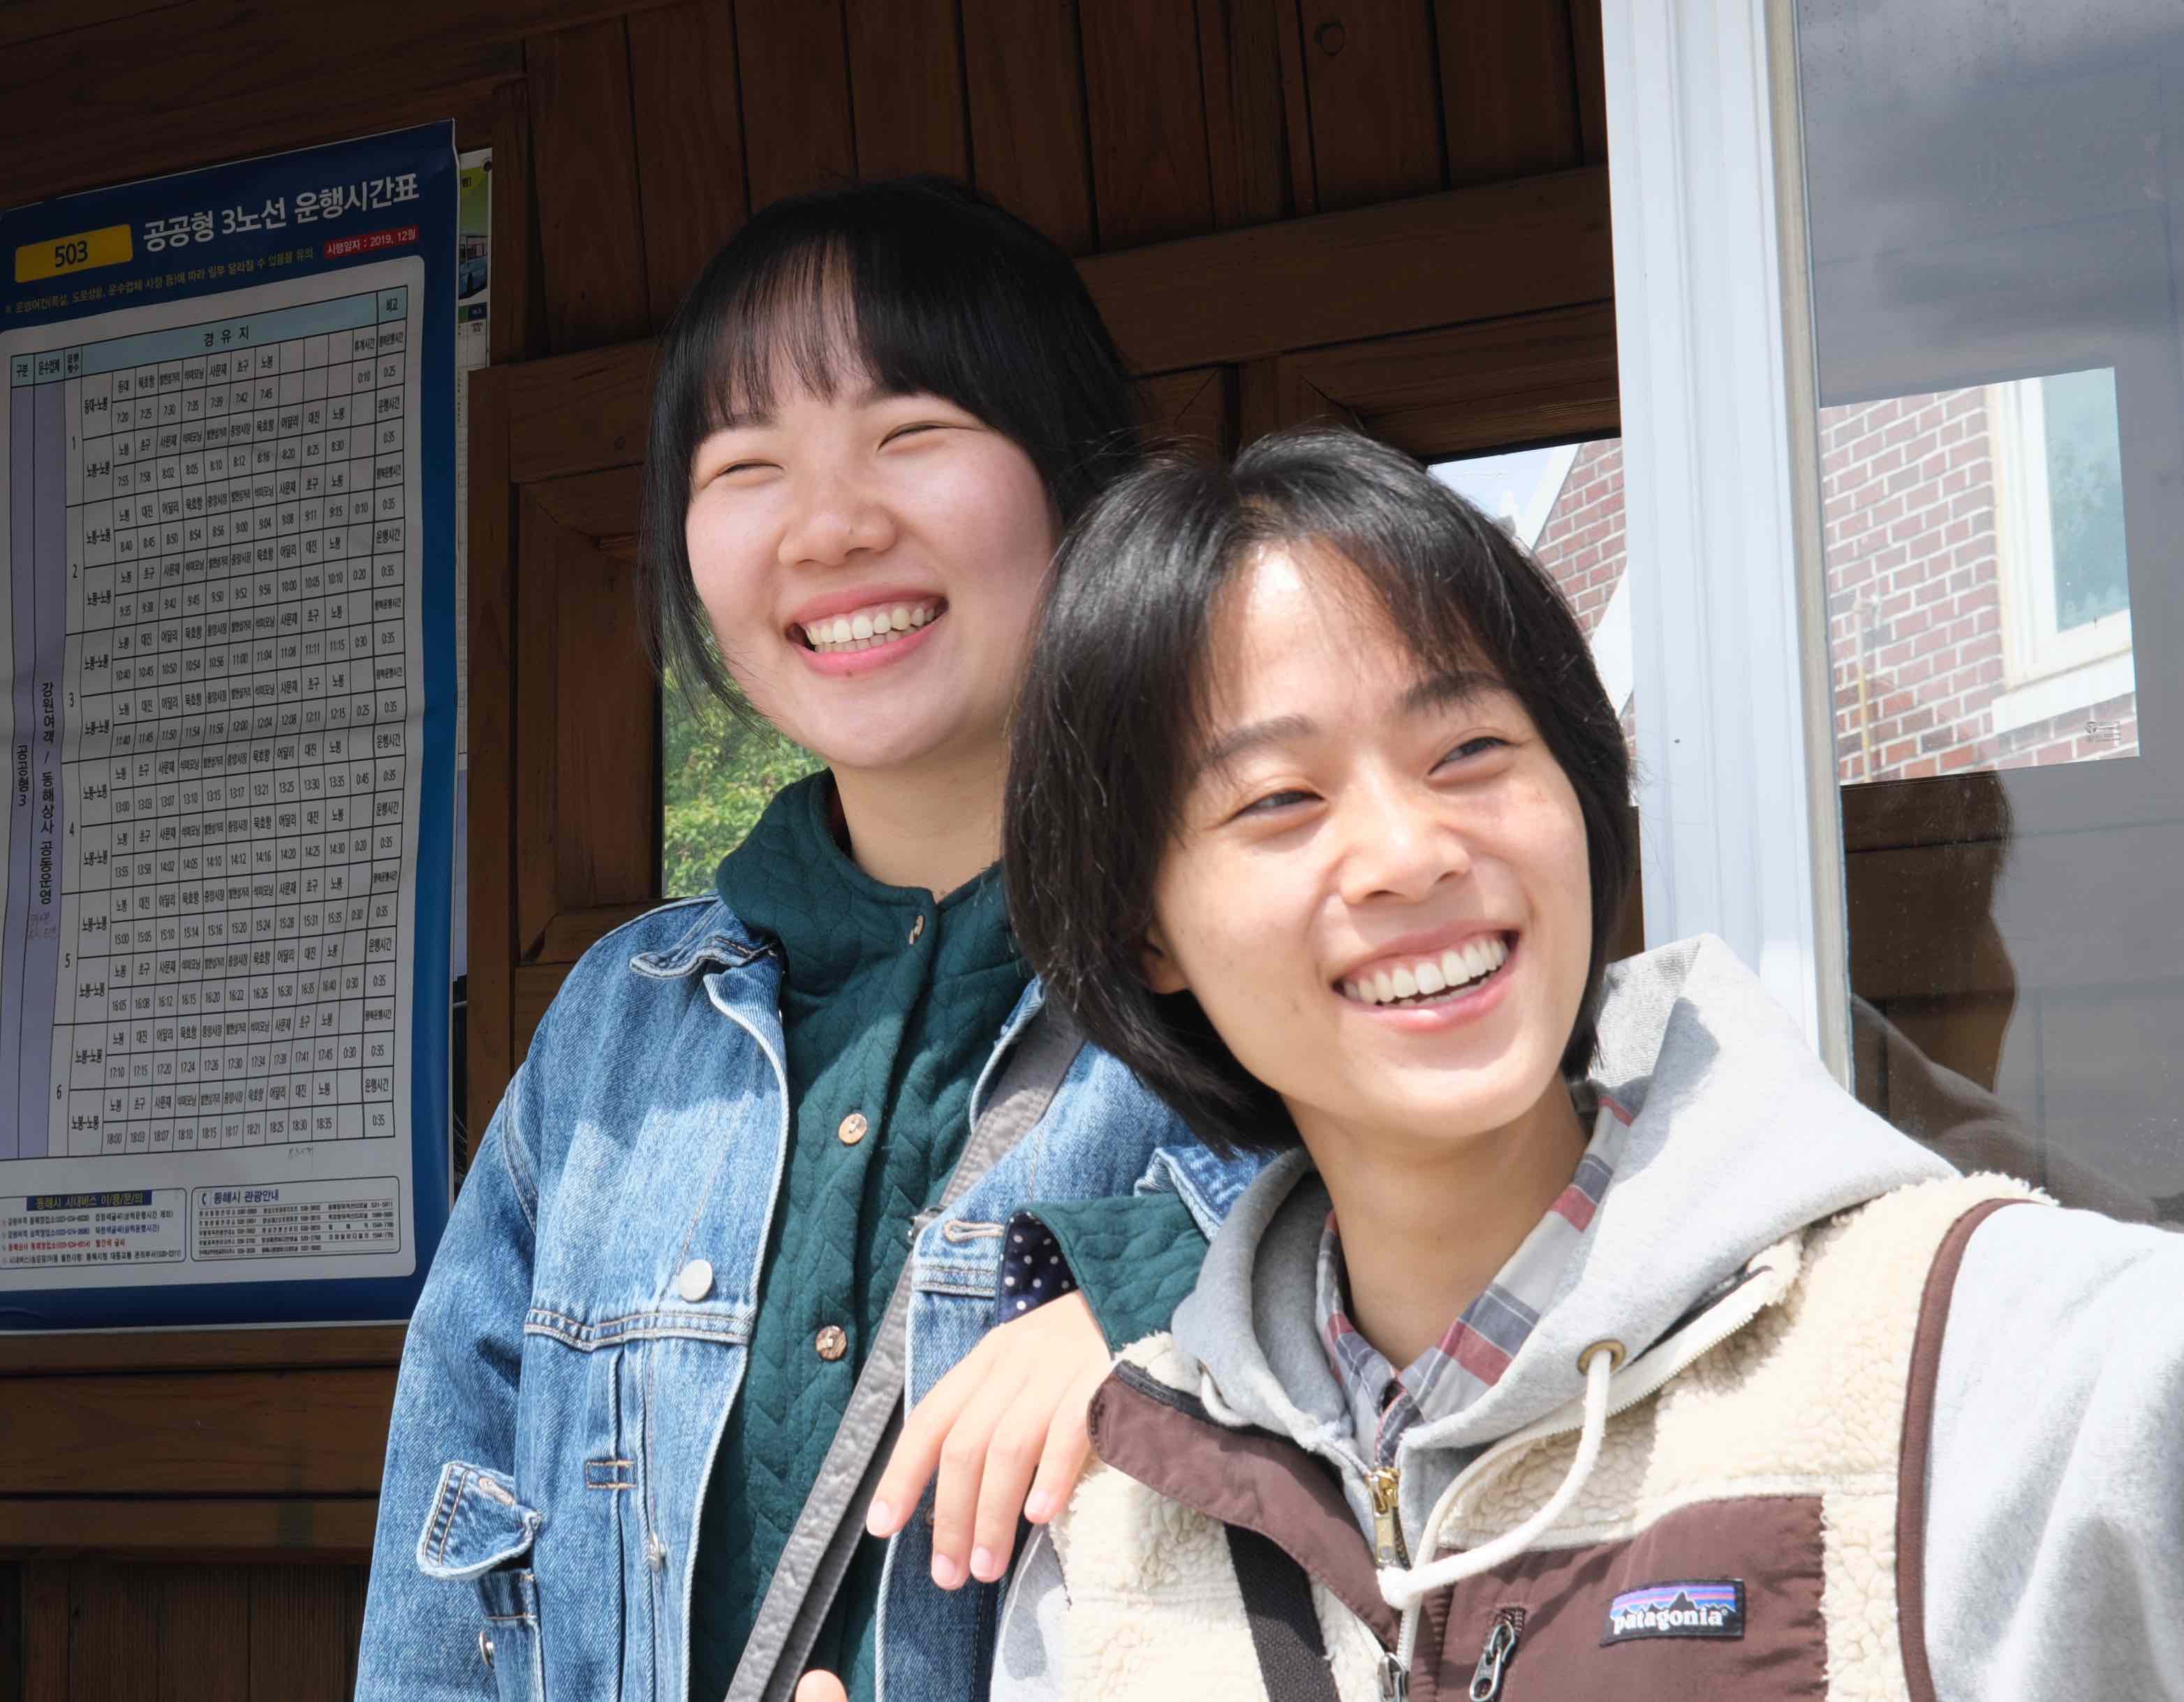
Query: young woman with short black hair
[{"x": 1587, "y": 1338}]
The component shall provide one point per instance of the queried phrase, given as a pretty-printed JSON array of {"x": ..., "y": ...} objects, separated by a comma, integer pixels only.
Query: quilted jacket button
[
  {"x": 831, "y": 1343},
  {"x": 854, "y": 1129},
  {"x": 696, "y": 1281},
  {"x": 917, "y": 928}
]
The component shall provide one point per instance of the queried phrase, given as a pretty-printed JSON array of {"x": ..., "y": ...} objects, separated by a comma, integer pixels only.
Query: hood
[{"x": 1738, "y": 1137}]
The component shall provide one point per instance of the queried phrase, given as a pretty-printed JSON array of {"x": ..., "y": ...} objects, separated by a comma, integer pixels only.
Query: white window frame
[
  {"x": 1738, "y": 808},
  {"x": 2049, "y": 671}
]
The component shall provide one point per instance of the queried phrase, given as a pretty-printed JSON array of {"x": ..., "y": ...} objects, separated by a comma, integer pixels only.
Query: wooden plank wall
[{"x": 630, "y": 139}]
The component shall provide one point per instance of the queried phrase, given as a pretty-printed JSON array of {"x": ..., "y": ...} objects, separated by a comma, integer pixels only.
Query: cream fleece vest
[{"x": 1807, "y": 1401}]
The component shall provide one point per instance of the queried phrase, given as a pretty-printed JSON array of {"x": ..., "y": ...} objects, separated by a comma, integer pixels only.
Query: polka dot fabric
[{"x": 1033, "y": 1269}]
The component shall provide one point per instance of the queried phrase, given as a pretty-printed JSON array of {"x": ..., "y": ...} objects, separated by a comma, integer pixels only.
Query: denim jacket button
[
  {"x": 485, "y": 1648},
  {"x": 696, "y": 1281}
]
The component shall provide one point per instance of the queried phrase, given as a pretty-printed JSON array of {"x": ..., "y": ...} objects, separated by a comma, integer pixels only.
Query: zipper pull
[
  {"x": 1493, "y": 1659},
  {"x": 1387, "y": 1520},
  {"x": 1394, "y": 1682}
]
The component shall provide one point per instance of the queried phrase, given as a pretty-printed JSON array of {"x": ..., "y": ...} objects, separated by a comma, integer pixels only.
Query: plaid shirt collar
[{"x": 1470, "y": 1358}]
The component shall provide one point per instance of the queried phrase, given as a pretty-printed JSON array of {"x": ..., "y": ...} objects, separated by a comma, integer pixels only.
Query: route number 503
[{"x": 74, "y": 253}]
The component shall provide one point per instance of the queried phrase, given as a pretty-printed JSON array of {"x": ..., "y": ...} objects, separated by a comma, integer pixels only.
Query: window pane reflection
[
  {"x": 1978, "y": 583},
  {"x": 1996, "y": 199}
]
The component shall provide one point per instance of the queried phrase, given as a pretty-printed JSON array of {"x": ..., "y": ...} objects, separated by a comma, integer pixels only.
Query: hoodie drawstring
[{"x": 1403, "y": 1589}]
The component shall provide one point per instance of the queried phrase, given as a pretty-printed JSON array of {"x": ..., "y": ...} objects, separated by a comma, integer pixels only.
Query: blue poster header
[{"x": 255, "y": 221}]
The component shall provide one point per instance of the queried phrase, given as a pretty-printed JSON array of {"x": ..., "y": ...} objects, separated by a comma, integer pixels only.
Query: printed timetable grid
[{"x": 211, "y": 954}]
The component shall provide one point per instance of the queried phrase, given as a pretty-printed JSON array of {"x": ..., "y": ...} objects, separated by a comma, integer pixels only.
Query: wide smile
[
  {"x": 1428, "y": 980},
  {"x": 875, "y": 627}
]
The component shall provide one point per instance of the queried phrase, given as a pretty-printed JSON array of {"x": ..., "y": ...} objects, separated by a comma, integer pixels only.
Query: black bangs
[
  {"x": 1114, "y": 713},
  {"x": 914, "y": 286}
]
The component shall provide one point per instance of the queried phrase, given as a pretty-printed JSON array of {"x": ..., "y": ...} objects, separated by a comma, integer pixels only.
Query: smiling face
[
  {"x": 871, "y": 565},
  {"x": 1378, "y": 890}
]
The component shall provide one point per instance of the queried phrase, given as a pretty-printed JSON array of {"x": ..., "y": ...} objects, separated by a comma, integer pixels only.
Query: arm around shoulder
[
  {"x": 2055, "y": 1515},
  {"x": 451, "y": 1443}
]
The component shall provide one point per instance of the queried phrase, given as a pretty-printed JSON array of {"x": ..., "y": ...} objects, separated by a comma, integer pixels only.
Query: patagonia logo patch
[{"x": 1687, "y": 1608}]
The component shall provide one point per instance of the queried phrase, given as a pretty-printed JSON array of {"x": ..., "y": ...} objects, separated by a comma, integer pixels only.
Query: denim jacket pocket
[{"x": 479, "y": 1530}]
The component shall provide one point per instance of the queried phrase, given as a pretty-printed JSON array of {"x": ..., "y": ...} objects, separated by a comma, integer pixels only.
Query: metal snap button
[
  {"x": 696, "y": 1281},
  {"x": 917, "y": 927},
  {"x": 854, "y": 1129},
  {"x": 831, "y": 1343},
  {"x": 485, "y": 1648}
]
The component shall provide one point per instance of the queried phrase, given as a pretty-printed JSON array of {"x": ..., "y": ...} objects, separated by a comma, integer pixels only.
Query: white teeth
[
  {"x": 865, "y": 628},
  {"x": 1453, "y": 970}
]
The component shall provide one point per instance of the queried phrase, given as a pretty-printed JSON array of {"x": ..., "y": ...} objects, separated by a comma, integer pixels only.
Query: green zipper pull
[
  {"x": 1387, "y": 1520},
  {"x": 1494, "y": 1659}
]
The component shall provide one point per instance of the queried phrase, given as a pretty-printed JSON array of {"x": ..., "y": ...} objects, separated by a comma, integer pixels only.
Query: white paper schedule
[{"x": 214, "y": 635}]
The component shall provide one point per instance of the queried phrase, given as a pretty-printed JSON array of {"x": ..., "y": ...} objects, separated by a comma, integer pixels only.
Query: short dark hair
[
  {"x": 1115, "y": 707},
  {"x": 928, "y": 285}
]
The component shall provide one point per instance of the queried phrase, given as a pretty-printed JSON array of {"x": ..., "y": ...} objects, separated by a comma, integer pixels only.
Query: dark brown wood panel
[
  {"x": 587, "y": 782},
  {"x": 1151, "y": 177},
  {"x": 1508, "y": 89},
  {"x": 1369, "y": 67},
  {"x": 585, "y": 147},
  {"x": 689, "y": 142},
  {"x": 46, "y": 1653},
  {"x": 113, "y": 1635},
  {"x": 795, "y": 69},
  {"x": 194, "y": 1350},
  {"x": 578, "y": 414},
  {"x": 1195, "y": 411},
  {"x": 517, "y": 325},
  {"x": 1246, "y": 132},
  {"x": 491, "y": 900},
  {"x": 1468, "y": 388},
  {"x": 1363, "y": 273},
  {"x": 1260, "y": 292},
  {"x": 324, "y": 97},
  {"x": 204, "y": 1623},
  {"x": 536, "y": 984},
  {"x": 289, "y": 1530},
  {"x": 299, "y": 1629},
  {"x": 906, "y": 87},
  {"x": 206, "y": 1433},
  {"x": 1025, "y": 88},
  {"x": 28, "y": 20},
  {"x": 1591, "y": 72}
]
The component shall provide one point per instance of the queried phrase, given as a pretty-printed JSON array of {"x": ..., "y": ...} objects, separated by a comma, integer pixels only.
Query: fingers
[
  {"x": 1012, "y": 1455},
  {"x": 820, "y": 1687},
  {"x": 1067, "y": 1452},
  {"x": 997, "y": 1416},
  {"x": 916, "y": 1454}
]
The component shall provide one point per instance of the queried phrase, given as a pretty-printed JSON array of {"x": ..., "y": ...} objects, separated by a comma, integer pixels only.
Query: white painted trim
[
  {"x": 1611, "y": 645},
  {"x": 1737, "y": 784},
  {"x": 1534, "y": 520},
  {"x": 2060, "y": 694}
]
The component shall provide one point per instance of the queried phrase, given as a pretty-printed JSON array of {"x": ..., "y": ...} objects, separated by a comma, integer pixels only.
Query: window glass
[
  {"x": 717, "y": 772},
  {"x": 1995, "y": 197},
  {"x": 1565, "y": 504}
]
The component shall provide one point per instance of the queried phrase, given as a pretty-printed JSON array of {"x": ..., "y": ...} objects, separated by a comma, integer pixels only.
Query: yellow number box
[{"x": 54, "y": 257}]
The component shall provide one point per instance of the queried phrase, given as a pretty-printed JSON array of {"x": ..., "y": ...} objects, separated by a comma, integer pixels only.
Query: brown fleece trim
[
  {"x": 1911, "y": 1459},
  {"x": 1243, "y": 1478}
]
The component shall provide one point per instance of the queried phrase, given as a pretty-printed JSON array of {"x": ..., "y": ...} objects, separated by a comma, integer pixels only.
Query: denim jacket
[{"x": 582, "y": 1337}]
